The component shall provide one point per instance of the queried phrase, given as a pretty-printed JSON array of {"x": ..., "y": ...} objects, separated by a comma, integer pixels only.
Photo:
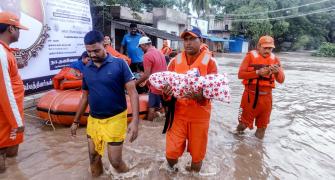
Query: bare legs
[
  {"x": 260, "y": 132},
  {"x": 95, "y": 159},
  {"x": 114, "y": 156}
]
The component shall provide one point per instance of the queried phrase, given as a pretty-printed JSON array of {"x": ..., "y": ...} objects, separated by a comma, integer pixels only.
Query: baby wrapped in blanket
[{"x": 213, "y": 86}]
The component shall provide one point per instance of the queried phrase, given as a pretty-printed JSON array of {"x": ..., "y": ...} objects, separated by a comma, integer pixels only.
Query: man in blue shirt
[
  {"x": 82, "y": 61},
  {"x": 105, "y": 79},
  {"x": 130, "y": 42}
]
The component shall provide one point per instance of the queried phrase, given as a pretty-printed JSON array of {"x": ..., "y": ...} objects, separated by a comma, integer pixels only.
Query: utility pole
[{"x": 103, "y": 18}]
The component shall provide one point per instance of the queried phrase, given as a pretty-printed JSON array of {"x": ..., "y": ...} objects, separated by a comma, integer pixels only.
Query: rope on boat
[{"x": 49, "y": 121}]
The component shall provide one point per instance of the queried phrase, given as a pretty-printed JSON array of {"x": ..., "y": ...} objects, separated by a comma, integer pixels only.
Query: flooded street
[{"x": 299, "y": 142}]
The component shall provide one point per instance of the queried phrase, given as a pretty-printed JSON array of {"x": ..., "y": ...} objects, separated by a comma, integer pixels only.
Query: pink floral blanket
[{"x": 213, "y": 86}]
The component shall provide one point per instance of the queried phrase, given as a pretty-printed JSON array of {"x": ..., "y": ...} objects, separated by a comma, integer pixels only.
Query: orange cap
[
  {"x": 266, "y": 41},
  {"x": 11, "y": 19}
]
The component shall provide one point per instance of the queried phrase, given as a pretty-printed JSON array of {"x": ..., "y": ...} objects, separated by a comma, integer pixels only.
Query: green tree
[
  {"x": 252, "y": 29},
  {"x": 150, "y": 4},
  {"x": 182, "y": 6},
  {"x": 136, "y": 5},
  {"x": 306, "y": 32},
  {"x": 200, "y": 6}
]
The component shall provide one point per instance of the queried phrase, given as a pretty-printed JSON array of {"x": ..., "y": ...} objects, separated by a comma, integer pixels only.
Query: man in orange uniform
[
  {"x": 192, "y": 114},
  {"x": 204, "y": 47},
  {"x": 113, "y": 52},
  {"x": 259, "y": 71},
  {"x": 11, "y": 90},
  {"x": 166, "y": 50}
]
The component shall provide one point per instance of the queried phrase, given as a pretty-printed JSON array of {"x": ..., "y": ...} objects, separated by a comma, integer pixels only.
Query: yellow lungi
[{"x": 102, "y": 131}]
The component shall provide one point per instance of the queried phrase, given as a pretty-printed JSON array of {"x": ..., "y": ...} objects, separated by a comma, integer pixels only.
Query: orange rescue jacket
[
  {"x": 67, "y": 78},
  {"x": 189, "y": 108},
  {"x": 257, "y": 84},
  {"x": 115, "y": 53},
  {"x": 166, "y": 50},
  {"x": 256, "y": 62}
]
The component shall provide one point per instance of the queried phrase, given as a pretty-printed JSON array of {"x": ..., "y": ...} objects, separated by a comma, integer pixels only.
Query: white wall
[
  {"x": 169, "y": 27},
  {"x": 201, "y": 24},
  {"x": 245, "y": 46}
]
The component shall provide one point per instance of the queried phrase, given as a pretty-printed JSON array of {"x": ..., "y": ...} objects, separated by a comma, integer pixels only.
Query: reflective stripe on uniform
[
  {"x": 272, "y": 56},
  {"x": 206, "y": 59},
  {"x": 179, "y": 58},
  {"x": 8, "y": 87},
  {"x": 254, "y": 53}
]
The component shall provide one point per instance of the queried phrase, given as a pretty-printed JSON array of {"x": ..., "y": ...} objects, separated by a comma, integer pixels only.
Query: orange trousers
[
  {"x": 5, "y": 141},
  {"x": 6, "y": 128},
  {"x": 196, "y": 135},
  {"x": 261, "y": 114}
]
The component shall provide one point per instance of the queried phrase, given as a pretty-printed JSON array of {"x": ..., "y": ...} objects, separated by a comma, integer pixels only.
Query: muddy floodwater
[{"x": 299, "y": 142}]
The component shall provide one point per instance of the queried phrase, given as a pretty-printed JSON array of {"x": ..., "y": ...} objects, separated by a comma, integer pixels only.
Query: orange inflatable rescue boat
[{"x": 60, "y": 106}]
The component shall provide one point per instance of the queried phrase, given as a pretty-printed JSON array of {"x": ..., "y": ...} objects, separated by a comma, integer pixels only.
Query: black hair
[
  {"x": 93, "y": 37},
  {"x": 133, "y": 25},
  {"x": 3, "y": 27},
  {"x": 110, "y": 37},
  {"x": 173, "y": 54},
  {"x": 84, "y": 54}
]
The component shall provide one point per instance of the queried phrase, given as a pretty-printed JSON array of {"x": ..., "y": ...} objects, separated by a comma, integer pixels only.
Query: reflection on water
[
  {"x": 299, "y": 143},
  {"x": 244, "y": 154}
]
